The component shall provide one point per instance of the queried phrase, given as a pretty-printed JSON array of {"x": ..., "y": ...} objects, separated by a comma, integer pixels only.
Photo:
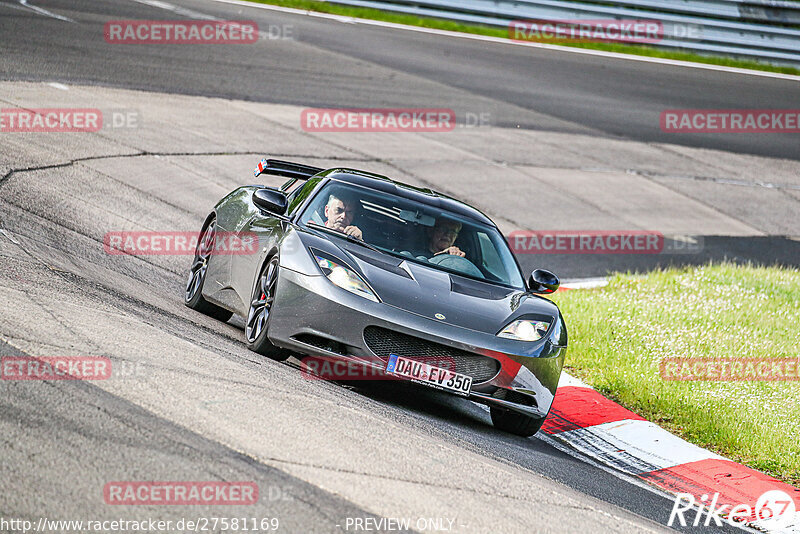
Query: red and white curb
[
  {"x": 612, "y": 436},
  {"x": 606, "y": 432}
]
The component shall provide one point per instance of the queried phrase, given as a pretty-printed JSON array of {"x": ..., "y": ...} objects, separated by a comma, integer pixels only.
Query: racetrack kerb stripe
[
  {"x": 580, "y": 415},
  {"x": 735, "y": 483},
  {"x": 580, "y": 407}
]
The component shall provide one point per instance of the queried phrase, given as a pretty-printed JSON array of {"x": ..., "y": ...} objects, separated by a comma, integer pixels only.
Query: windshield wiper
[{"x": 342, "y": 234}]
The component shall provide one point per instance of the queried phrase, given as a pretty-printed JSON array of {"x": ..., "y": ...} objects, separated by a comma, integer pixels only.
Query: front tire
[
  {"x": 257, "y": 325},
  {"x": 516, "y": 423},
  {"x": 193, "y": 296}
]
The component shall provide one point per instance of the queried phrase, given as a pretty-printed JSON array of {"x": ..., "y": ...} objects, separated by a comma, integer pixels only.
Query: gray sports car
[{"x": 401, "y": 282}]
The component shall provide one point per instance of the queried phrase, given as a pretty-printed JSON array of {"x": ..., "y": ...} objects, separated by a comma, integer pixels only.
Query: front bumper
[{"x": 313, "y": 316}]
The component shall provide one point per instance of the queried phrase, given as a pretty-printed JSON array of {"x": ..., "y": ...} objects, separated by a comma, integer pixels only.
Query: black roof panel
[{"x": 423, "y": 195}]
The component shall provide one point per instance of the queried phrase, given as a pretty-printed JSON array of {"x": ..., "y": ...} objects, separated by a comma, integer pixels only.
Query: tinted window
[{"x": 412, "y": 230}]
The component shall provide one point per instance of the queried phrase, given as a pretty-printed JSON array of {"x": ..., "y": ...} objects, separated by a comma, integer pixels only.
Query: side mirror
[
  {"x": 543, "y": 282},
  {"x": 271, "y": 200}
]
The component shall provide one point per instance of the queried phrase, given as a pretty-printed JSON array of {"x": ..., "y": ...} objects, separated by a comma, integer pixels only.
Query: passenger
[
  {"x": 441, "y": 238},
  {"x": 339, "y": 213}
]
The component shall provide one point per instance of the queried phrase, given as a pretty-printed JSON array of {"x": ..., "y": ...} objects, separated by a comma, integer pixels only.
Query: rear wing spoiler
[{"x": 297, "y": 171}]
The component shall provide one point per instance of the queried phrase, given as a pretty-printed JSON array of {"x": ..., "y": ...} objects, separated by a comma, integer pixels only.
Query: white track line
[
  {"x": 569, "y": 380},
  {"x": 44, "y": 12},
  {"x": 189, "y": 13},
  {"x": 474, "y": 37},
  {"x": 584, "y": 283}
]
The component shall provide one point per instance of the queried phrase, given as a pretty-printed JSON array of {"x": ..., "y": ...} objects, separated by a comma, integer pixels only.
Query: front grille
[{"x": 384, "y": 342}]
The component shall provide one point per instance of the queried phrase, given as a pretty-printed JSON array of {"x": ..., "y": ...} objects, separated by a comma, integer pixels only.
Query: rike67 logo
[{"x": 775, "y": 509}]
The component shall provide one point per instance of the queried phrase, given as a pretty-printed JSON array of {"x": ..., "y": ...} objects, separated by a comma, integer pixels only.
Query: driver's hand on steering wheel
[
  {"x": 354, "y": 231},
  {"x": 455, "y": 251}
]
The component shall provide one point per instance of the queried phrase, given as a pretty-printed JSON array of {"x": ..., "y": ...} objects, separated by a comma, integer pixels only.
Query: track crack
[{"x": 148, "y": 153}]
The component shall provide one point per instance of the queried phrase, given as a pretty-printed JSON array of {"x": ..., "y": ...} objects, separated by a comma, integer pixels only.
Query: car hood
[{"x": 449, "y": 298}]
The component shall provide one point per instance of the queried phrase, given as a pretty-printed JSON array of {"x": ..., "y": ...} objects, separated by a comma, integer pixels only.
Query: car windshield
[{"x": 415, "y": 231}]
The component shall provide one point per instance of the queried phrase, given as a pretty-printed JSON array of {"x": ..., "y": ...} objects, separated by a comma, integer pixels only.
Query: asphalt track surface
[
  {"x": 335, "y": 66},
  {"x": 204, "y": 408}
]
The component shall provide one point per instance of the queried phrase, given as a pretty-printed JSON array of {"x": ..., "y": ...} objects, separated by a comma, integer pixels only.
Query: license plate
[{"x": 429, "y": 375}]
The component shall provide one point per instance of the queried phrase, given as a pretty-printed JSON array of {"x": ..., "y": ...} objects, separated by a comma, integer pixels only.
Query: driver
[
  {"x": 339, "y": 213},
  {"x": 441, "y": 238}
]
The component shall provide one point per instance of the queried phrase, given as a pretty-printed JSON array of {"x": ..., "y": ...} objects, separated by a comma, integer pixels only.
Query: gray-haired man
[{"x": 339, "y": 213}]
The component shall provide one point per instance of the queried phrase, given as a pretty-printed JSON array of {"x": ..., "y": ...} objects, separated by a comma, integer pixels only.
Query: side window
[
  {"x": 299, "y": 194},
  {"x": 489, "y": 258}
]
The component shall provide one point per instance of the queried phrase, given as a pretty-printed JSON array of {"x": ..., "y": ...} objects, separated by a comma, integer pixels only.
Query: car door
[
  {"x": 268, "y": 229},
  {"x": 230, "y": 212}
]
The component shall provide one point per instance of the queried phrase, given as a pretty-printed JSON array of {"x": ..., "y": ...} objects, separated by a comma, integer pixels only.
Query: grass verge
[
  {"x": 440, "y": 24},
  {"x": 620, "y": 333}
]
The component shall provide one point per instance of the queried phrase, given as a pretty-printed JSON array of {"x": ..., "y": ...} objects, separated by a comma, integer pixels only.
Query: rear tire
[
  {"x": 193, "y": 296},
  {"x": 257, "y": 324},
  {"x": 516, "y": 423}
]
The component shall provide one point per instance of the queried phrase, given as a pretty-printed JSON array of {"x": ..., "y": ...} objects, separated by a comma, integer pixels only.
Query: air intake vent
[{"x": 384, "y": 342}]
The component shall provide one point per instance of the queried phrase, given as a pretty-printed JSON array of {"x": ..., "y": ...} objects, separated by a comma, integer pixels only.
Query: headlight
[
  {"x": 525, "y": 330},
  {"x": 345, "y": 278}
]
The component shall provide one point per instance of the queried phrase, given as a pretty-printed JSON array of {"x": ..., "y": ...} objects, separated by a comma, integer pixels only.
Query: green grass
[
  {"x": 620, "y": 333},
  {"x": 440, "y": 24}
]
